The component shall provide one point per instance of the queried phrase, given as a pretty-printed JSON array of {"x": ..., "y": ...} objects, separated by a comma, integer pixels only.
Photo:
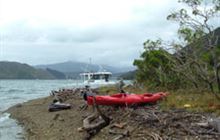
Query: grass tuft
[{"x": 191, "y": 100}]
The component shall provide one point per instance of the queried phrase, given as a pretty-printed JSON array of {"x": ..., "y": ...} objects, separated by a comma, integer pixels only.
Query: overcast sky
[{"x": 107, "y": 31}]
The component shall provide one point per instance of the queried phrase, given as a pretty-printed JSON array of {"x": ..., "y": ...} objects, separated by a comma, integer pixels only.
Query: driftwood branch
[{"x": 92, "y": 129}]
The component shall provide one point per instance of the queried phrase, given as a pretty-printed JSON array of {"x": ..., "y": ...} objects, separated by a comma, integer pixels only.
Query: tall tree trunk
[
  {"x": 195, "y": 85},
  {"x": 218, "y": 77},
  {"x": 211, "y": 87}
]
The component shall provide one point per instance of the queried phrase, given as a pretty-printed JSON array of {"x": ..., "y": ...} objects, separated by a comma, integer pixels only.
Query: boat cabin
[{"x": 95, "y": 76}]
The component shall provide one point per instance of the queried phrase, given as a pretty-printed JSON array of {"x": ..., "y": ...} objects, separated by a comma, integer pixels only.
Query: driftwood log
[{"x": 93, "y": 128}]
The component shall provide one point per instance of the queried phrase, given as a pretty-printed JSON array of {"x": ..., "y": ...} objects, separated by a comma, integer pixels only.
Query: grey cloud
[
  {"x": 66, "y": 34},
  {"x": 108, "y": 44},
  {"x": 18, "y": 32},
  {"x": 22, "y": 32},
  {"x": 115, "y": 44}
]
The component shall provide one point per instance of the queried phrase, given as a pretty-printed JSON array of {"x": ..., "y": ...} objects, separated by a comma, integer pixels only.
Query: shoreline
[
  {"x": 39, "y": 124},
  {"x": 126, "y": 123}
]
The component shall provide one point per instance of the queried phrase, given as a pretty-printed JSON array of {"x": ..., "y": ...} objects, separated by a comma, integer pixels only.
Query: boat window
[
  {"x": 106, "y": 77},
  {"x": 86, "y": 77},
  {"x": 96, "y": 77}
]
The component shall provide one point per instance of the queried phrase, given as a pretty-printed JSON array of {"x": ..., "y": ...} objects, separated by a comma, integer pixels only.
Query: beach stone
[
  {"x": 80, "y": 129},
  {"x": 60, "y": 119},
  {"x": 56, "y": 116},
  {"x": 18, "y": 105},
  {"x": 118, "y": 137},
  {"x": 52, "y": 124},
  {"x": 215, "y": 123}
]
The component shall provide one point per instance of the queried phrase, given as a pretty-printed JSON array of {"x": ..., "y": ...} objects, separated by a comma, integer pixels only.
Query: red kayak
[{"x": 126, "y": 99}]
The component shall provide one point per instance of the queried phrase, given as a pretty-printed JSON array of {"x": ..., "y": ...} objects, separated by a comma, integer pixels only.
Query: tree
[
  {"x": 202, "y": 53},
  {"x": 154, "y": 67},
  {"x": 196, "y": 60}
]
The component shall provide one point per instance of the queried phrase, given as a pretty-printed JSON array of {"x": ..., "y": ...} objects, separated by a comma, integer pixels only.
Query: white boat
[{"x": 97, "y": 78}]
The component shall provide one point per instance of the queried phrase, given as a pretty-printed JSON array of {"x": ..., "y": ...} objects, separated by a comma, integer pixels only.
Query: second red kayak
[{"x": 126, "y": 99}]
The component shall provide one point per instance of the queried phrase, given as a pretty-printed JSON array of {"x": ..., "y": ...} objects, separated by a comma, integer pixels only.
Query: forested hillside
[{"x": 15, "y": 70}]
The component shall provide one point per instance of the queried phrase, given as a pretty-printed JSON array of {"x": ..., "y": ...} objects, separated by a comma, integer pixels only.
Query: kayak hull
[{"x": 125, "y": 99}]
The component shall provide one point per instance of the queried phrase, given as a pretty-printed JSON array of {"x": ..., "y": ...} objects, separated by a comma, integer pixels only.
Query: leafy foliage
[
  {"x": 154, "y": 67},
  {"x": 193, "y": 63}
]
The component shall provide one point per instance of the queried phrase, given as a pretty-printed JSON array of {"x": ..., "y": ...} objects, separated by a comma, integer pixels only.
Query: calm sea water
[
  {"x": 17, "y": 91},
  {"x": 13, "y": 92}
]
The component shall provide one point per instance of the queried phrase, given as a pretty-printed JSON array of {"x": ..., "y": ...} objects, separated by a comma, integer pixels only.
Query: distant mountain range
[
  {"x": 72, "y": 69},
  {"x": 15, "y": 70},
  {"x": 128, "y": 75}
]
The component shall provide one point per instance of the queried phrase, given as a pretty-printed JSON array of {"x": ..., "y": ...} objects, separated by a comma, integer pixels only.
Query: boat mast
[{"x": 90, "y": 70}]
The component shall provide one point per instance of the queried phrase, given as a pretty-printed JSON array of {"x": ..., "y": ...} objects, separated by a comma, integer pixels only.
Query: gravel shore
[
  {"x": 148, "y": 122},
  {"x": 40, "y": 124}
]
